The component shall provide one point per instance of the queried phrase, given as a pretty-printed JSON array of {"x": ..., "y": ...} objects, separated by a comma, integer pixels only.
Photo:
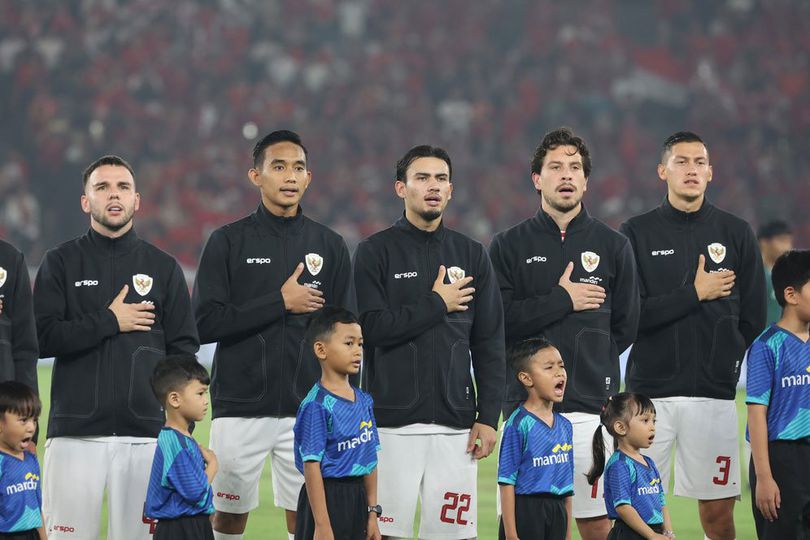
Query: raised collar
[
  {"x": 545, "y": 221},
  {"x": 678, "y": 216},
  {"x": 415, "y": 232},
  {"x": 280, "y": 225},
  {"x": 121, "y": 244}
]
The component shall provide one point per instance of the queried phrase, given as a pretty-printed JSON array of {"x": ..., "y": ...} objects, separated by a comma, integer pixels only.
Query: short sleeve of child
[
  {"x": 511, "y": 452},
  {"x": 759, "y": 374},
  {"x": 621, "y": 477},
  {"x": 370, "y": 404},
  {"x": 313, "y": 422}
]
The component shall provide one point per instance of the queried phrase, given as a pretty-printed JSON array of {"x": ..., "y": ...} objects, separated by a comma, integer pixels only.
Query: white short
[
  {"x": 588, "y": 500},
  {"x": 75, "y": 474},
  {"x": 707, "y": 453},
  {"x": 435, "y": 469},
  {"x": 242, "y": 446}
]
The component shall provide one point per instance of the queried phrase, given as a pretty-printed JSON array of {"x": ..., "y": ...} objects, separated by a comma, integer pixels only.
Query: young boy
[
  {"x": 536, "y": 463},
  {"x": 180, "y": 495},
  {"x": 20, "y": 492},
  {"x": 336, "y": 439},
  {"x": 778, "y": 398}
]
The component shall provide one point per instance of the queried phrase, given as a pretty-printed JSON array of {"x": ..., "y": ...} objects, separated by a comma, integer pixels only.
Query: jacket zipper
[
  {"x": 108, "y": 358},
  {"x": 283, "y": 325},
  {"x": 433, "y": 340}
]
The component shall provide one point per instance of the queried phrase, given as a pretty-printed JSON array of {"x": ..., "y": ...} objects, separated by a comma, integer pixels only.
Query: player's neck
[
  {"x": 793, "y": 324},
  {"x": 280, "y": 211},
  {"x": 177, "y": 422},
  {"x": 540, "y": 407},
  {"x": 337, "y": 383},
  {"x": 562, "y": 218},
  {"x": 110, "y": 233},
  {"x": 8, "y": 449},
  {"x": 686, "y": 206},
  {"x": 421, "y": 223}
]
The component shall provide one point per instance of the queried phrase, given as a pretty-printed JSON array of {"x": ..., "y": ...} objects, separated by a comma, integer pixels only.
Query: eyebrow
[
  {"x": 285, "y": 161},
  {"x": 429, "y": 174}
]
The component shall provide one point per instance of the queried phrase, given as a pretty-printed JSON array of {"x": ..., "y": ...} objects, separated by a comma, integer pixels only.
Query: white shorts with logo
[
  {"x": 76, "y": 471},
  {"x": 242, "y": 445},
  {"x": 707, "y": 453},
  {"x": 434, "y": 469}
]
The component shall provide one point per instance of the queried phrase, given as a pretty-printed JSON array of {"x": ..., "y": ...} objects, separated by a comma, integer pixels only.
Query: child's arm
[
  {"x": 630, "y": 516},
  {"x": 768, "y": 498},
  {"x": 570, "y": 513},
  {"x": 317, "y": 500},
  {"x": 41, "y": 530},
  {"x": 508, "y": 511},
  {"x": 373, "y": 529},
  {"x": 667, "y": 523}
]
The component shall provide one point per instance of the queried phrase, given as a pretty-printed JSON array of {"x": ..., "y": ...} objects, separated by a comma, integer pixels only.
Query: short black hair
[
  {"x": 679, "y": 137},
  {"x": 773, "y": 229},
  {"x": 521, "y": 353},
  {"x": 562, "y": 136},
  {"x": 174, "y": 373},
  {"x": 323, "y": 322},
  {"x": 19, "y": 398},
  {"x": 275, "y": 137},
  {"x": 109, "y": 159},
  {"x": 423, "y": 150},
  {"x": 791, "y": 269}
]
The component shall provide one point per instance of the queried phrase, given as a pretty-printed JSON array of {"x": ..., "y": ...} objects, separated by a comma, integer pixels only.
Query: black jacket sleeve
[
  {"x": 751, "y": 283},
  {"x": 526, "y": 317},
  {"x": 382, "y": 325},
  {"x": 178, "y": 322},
  {"x": 625, "y": 305},
  {"x": 24, "y": 348},
  {"x": 344, "y": 282},
  {"x": 217, "y": 316},
  {"x": 665, "y": 308},
  {"x": 58, "y": 335},
  {"x": 487, "y": 344}
]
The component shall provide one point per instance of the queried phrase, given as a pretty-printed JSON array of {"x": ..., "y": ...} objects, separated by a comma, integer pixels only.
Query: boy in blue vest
[
  {"x": 336, "y": 439},
  {"x": 180, "y": 495},
  {"x": 536, "y": 462},
  {"x": 778, "y": 399}
]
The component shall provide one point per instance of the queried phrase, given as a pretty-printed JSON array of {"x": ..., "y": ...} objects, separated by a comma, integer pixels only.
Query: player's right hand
[
  {"x": 583, "y": 295},
  {"x": 456, "y": 295},
  {"x": 132, "y": 317},
  {"x": 712, "y": 285},
  {"x": 299, "y": 298},
  {"x": 768, "y": 498}
]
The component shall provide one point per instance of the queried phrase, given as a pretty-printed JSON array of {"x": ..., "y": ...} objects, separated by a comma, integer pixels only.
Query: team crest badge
[
  {"x": 3, "y": 275},
  {"x": 455, "y": 273},
  {"x": 314, "y": 263},
  {"x": 590, "y": 260},
  {"x": 717, "y": 252},
  {"x": 142, "y": 284}
]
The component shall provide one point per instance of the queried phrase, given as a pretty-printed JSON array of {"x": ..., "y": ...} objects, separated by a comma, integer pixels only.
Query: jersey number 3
[{"x": 725, "y": 469}]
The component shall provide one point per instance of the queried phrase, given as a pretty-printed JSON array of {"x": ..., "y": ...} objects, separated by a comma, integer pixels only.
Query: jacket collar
[
  {"x": 546, "y": 222},
  {"x": 414, "y": 232},
  {"x": 121, "y": 244},
  {"x": 677, "y": 216},
  {"x": 280, "y": 225}
]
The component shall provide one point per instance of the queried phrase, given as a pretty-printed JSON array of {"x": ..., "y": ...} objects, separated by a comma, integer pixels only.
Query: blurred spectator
[{"x": 182, "y": 87}]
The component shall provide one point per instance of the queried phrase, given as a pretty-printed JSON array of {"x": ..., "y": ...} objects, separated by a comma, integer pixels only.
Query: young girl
[
  {"x": 20, "y": 492},
  {"x": 634, "y": 496}
]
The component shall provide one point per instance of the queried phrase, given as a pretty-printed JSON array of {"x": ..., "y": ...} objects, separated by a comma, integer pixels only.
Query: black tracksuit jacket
[
  {"x": 101, "y": 376},
  {"x": 686, "y": 347},
  {"x": 417, "y": 356},
  {"x": 529, "y": 259},
  {"x": 262, "y": 366},
  {"x": 18, "y": 334}
]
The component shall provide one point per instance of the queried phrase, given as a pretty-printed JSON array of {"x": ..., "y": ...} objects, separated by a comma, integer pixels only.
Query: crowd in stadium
[{"x": 170, "y": 85}]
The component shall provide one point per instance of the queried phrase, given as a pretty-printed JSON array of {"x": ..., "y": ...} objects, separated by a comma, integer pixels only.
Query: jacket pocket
[
  {"x": 728, "y": 349},
  {"x": 393, "y": 379},
  {"x": 76, "y": 384},
  {"x": 141, "y": 400},
  {"x": 460, "y": 389},
  {"x": 593, "y": 373},
  {"x": 240, "y": 370}
]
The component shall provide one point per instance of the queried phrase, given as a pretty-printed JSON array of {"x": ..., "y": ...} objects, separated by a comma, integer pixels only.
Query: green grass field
[{"x": 267, "y": 522}]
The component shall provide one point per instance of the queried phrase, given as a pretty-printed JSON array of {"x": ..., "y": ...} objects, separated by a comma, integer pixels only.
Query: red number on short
[
  {"x": 595, "y": 489},
  {"x": 725, "y": 469},
  {"x": 455, "y": 498}
]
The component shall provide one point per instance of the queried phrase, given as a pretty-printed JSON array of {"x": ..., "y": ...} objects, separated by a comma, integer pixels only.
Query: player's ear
[
  {"x": 173, "y": 399},
  {"x": 399, "y": 187},
  {"x": 525, "y": 379},
  {"x": 620, "y": 428},
  {"x": 319, "y": 347}
]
